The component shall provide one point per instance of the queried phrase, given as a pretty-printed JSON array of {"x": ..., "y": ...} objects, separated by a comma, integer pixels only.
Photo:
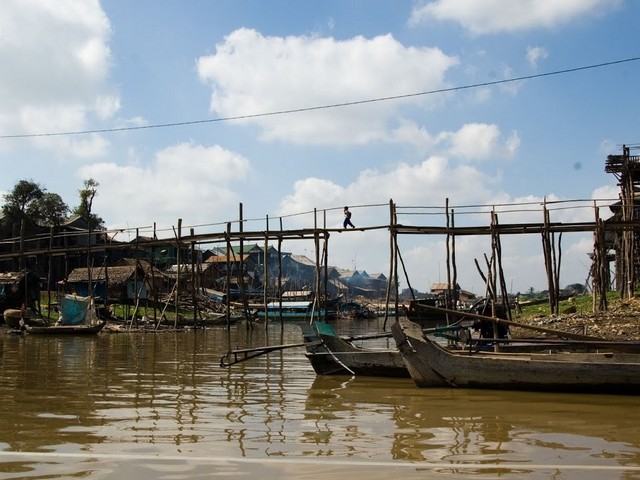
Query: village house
[{"x": 120, "y": 284}]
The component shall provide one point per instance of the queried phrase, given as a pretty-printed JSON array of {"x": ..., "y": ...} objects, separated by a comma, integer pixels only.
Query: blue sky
[{"x": 81, "y": 65}]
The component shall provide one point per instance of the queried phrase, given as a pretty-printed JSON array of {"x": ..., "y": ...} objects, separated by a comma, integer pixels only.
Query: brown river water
[{"x": 150, "y": 406}]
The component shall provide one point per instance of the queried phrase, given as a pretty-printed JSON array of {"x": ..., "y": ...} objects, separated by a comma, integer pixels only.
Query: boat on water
[
  {"x": 355, "y": 311},
  {"x": 574, "y": 366},
  {"x": 77, "y": 317},
  {"x": 66, "y": 329},
  {"x": 290, "y": 310},
  {"x": 331, "y": 354}
]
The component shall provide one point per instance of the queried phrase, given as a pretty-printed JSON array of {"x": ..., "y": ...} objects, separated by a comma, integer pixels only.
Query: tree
[
  {"x": 87, "y": 194},
  {"x": 49, "y": 210},
  {"x": 21, "y": 201}
]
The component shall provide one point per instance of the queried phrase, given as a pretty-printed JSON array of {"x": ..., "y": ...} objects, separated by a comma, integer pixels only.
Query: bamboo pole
[
  {"x": 228, "y": 281},
  {"x": 448, "y": 240},
  {"x": 194, "y": 296},
  {"x": 391, "y": 258},
  {"x": 178, "y": 261},
  {"x": 50, "y": 261},
  {"x": 265, "y": 284},
  {"x": 279, "y": 280},
  {"x": 454, "y": 267},
  {"x": 316, "y": 245},
  {"x": 395, "y": 265}
]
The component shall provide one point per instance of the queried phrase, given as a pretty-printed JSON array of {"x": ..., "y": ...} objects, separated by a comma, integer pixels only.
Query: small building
[
  {"x": 121, "y": 284},
  {"x": 16, "y": 287}
]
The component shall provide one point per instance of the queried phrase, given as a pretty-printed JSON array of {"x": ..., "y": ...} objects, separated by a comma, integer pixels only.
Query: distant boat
[
  {"x": 576, "y": 366},
  {"x": 290, "y": 310},
  {"x": 330, "y": 354},
  {"x": 355, "y": 311},
  {"x": 66, "y": 329}
]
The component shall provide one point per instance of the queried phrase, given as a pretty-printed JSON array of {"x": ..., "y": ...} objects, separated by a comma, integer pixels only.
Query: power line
[{"x": 324, "y": 107}]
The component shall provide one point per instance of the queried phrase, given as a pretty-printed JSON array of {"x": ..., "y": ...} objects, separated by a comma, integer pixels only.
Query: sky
[{"x": 288, "y": 111}]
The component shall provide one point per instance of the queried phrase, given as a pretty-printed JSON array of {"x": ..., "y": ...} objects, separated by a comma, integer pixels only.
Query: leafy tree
[
  {"x": 87, "y": 194},
  {"x": 49, "y": 210},
  {"x": 22, "y": 200}
]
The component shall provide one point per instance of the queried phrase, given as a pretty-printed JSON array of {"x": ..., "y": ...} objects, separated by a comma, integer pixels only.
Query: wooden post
[
  {"x": 153, "y": 278},
  {"x": 316, "y": 245},
  {"x": 454, "y": 267},
  {"x": 391, "y": 258},
  {"x": 326, "y": 263},
  {"x": 228, "y": 292},
  {"x": 243, "y": 293},
  {"x": 395, "y": 262},
  {"x": 178, "y": 261},
  {"x": 49, "y": 274},
  {"x": 279, "y": 278},
  {"x": 265, "y": 285},
  {"x": 448, "y": 239},
  {"x": 194, "y": 280}
]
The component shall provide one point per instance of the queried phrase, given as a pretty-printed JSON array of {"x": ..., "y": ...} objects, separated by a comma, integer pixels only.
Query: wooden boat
[
  {"x": 66, "y": 329},
  {"x": 290, "y": 310},
  {"x": 355, "y": 311},
  {"x": 596, "y": 366},
  {"x": 216, "y": 319},
  {"x": 330, "y": 354},
  {"x": 77, "y": 317}
]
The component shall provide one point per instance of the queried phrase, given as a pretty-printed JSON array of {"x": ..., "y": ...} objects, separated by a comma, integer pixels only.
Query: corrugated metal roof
[{"x": 303, "y": 260}]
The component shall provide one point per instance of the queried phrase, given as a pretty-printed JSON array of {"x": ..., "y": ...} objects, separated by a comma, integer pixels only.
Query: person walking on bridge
[{"x": 347, "y": 219}]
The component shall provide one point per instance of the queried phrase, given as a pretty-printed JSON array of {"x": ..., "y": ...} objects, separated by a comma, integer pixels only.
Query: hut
[
  {"x": 120, "y": 284},
  {"x": 18, "y": 288}
]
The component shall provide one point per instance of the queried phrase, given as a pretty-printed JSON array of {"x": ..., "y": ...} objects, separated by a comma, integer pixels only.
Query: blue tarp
[{"x": 73, "y": 309}]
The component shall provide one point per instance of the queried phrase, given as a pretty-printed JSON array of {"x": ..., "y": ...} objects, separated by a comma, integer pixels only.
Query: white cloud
[
  {"x": 253, "y": 74},
  {"x": 535, "y": 54},
  {"x": 493, "y": 16},
  {"x": 479, "y": 141},
  {"x": 55, "y": 63},
  {"x": 424, "y": 183},
  {"x": 186, "y": 181}
]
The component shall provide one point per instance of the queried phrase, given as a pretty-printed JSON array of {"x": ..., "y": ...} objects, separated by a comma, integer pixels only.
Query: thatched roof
[
  {"x": 116, "y": 275},
  {"x": 144, "y": 264}
]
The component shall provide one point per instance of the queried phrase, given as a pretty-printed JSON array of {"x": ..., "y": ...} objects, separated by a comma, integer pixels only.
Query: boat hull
[
  {"x": 600, "y": 371},
  {"x": 66, "y": 329},
  {"x": 330, "y": 354}
]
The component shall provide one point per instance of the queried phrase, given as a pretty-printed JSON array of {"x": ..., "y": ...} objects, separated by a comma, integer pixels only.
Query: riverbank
[{"x": 621, "y": 320}]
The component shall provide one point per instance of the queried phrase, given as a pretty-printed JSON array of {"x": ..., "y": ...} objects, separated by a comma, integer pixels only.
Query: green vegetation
[
  {"x": 31, "y": 201},
  {"x": 581, "y": 303}
]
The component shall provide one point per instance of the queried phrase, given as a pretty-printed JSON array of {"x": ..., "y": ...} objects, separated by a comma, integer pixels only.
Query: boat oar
[
  {"x": 500, "y": 321},
  {"x": 236, "y": 356}
]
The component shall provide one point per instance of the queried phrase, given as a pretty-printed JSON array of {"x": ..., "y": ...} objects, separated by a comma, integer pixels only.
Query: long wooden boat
[
  {"x": 290, "y": 310},
  {"x": 596, "y": 367},
  {"x": 330, "y": 354},
  {"x": 66, "y": 329},
  {"x": 77, "y": 317}
]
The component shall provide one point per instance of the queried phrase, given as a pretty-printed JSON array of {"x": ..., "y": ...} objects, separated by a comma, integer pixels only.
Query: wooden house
[
  {"x": 18, "y": 287},
  {"x": 120, "y": 284}
]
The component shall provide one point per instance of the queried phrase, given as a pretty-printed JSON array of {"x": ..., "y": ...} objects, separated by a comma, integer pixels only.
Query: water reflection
[
  {"x": 481, "y": 427},
  {"x": 86, "y": 404}
]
